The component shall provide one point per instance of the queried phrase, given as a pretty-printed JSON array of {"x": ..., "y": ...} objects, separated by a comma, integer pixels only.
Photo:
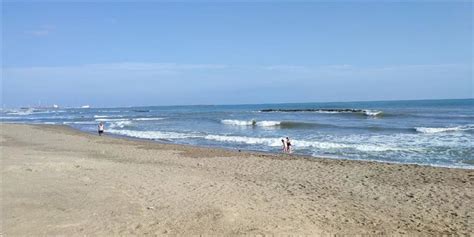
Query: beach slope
[{"x": 58, "y": 181}]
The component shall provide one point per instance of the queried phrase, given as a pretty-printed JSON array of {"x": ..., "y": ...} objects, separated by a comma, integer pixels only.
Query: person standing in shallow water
[
  {"x": 284, "y": 145},
  {"x": 288, "y": 145},
  {"x": 101, "y": 128}
]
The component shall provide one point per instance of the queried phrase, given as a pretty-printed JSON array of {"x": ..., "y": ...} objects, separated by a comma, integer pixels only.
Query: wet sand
[{"x": 59, "y": 181}]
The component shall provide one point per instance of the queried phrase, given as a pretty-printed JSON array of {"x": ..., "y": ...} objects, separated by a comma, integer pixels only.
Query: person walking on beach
[
  {"x": 284, "y": 145},
  {"x": 288, "y": 145},
  {"x": 101, "y": 128}
]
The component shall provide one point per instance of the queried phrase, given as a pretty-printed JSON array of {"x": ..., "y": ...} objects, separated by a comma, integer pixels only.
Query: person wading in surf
[
  {"x": 101, "y": 128},
  {"x": 284, "y": 145},
  {"x": 288, "y": 145}
]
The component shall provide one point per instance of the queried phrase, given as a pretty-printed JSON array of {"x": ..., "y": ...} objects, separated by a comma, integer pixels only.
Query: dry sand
[{"x": 56, "y": 180}]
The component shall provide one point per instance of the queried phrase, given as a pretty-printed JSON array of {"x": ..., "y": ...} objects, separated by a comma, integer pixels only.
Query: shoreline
[
  {"x": 60, "y": 180},
  {"x": 276, "y": 154},
  {"x": 293, "y": 155}
]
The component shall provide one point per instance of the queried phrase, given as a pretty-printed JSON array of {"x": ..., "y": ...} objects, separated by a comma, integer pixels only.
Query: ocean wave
[
  {"x": 373, "y": 112},
  {"x": 40, "y": 111},
  {"x": 239, "y": 122},
  {"x": 21, "y": 113},
  {"x": 112, "y": 111},
  {"x": 268, "y": 123},
  {"x": 276, "y": 142},
  {"x": 120, "y": 124},
  {"x": 266, "y": 141},
  {"x": 148, "y": 119},
  {"x": 250, "y": 123},
  {"x": 153, "y": 135},
  {"x": 30, "y": 111},
  {"x": 108, "y": 116},
  {"x": 81, "y": 122},
  {"x": 110, "y": 119},
  {"x": 10, "y": 118},
  {"x": 366, "y": 112},
  {"x": 445, "y": 129}
]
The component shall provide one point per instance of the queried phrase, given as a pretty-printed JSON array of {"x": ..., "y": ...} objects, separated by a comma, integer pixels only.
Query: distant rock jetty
[{"x": 358, "y": 111}]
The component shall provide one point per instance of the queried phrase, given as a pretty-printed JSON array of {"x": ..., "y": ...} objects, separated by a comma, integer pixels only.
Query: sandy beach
[{"x": 59, "y": 181}]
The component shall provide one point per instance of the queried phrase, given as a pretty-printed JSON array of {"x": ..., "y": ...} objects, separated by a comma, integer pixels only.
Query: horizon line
[{"x": 273, "y": 103}]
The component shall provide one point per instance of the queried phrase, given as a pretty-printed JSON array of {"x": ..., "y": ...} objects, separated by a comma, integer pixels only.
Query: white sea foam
[
  {"x": 250, "y": 123},
  {"x": 108, "y": 116},
  {"x": 445, "y": 129},
  {"x": 8, "y": 118},
  {"x": 148, "y": 119},
  {"x": 153, "y": 134},
  {"x": 81, "y": 122},
  {"x": 325, "y": 145},
  {"x": 366, "y": 112},
  {"x": 272, "y": 142},
  {"x": 373, "y": 112},
  {"x": 245, "y": 140},
  {"x": 238, "y": 122},
  {"x": 268, "y": 123},
  {"x": 111, "y": 111},
  {"x": 329, "y": 112},
  {"x": 110, "y": 119},
  {"x": 276, "y": 142},
  {"x": 20, "y": 112},
  {"x": 120, "y": 124}
]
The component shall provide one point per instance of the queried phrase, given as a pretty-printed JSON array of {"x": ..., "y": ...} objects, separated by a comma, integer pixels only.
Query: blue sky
[{"x": 122, "y": 54}]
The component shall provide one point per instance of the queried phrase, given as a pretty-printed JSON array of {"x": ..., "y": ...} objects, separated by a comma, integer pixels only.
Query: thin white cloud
[{"x": 42, "y": 30}]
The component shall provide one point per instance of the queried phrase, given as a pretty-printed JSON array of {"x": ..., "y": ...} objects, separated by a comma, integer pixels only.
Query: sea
[{"x": 424, "y": 132}]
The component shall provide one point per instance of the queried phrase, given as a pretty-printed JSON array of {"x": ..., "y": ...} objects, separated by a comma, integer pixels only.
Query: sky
[{"x": 108, "y": 54}]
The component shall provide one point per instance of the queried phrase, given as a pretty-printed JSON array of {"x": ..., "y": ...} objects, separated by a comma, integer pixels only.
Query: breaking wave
[
  {"x": 148, "y": 119},
  {"x": 110, "y": 119},
  {"x": 22, "y": 113},
  {"x": 120, "y": 124},
  {"x": 250, "y": 123},
  {"x": 265, "y": 123},
  {"x": 373, "y": 112},
  {"x": 469, "y": 127}
]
